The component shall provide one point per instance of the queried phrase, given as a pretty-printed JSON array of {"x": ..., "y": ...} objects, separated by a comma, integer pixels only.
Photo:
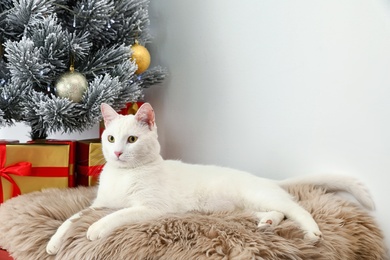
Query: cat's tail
[{"x": 335, "y": 183}]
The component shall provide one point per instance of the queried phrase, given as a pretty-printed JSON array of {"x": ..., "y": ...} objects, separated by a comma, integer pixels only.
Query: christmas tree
[{"x": 60, "y": 59}]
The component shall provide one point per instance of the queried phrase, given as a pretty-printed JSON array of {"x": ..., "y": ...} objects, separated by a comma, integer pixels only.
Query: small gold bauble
[
  {"x": 141, "y": 56},
  {"x": 71, "y": 85}
]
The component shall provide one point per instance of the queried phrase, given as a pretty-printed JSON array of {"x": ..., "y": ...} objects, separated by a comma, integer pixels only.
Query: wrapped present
[
  {"x": 130, "y": 109},
  {"x": 72, "y": 155},
  {"x": 8, "y": 141},
  {"x": 31, "y": 167},
  {"x": 89, "y": 162},
  {"x": 4, "y": 255}
]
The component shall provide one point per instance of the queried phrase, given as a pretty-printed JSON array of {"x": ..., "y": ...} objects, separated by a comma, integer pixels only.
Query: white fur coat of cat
[{"x": 138, "y": 182}]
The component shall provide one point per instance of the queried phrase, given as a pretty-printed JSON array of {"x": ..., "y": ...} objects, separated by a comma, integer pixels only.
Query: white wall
[
  {"x": 277, "y": 87},
  {"x": 21, "y": 132}
]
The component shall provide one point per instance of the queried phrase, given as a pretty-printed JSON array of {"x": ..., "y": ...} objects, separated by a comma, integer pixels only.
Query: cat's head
[{"x": 130, "y": 141}]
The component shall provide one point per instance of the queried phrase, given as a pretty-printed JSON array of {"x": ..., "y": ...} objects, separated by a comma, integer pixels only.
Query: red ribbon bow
[{"x": 21, "y": 169}]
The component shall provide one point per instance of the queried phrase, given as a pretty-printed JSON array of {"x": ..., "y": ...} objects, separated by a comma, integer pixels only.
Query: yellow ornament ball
[{"x": 141, "y": 56}]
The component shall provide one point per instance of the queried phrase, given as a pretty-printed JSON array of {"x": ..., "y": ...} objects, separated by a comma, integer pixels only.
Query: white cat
[{"x": 142, "y": 185}]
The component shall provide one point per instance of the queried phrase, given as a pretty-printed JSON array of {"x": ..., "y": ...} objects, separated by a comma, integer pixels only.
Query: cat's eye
[
  {"x": 111, "y": 138},
  {"x": 132, "y": 139}
]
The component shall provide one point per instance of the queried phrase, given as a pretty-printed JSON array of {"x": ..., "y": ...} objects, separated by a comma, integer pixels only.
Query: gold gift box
[
  {"x": 50, "y": 167},
  {"x": 89, "y": 161}
]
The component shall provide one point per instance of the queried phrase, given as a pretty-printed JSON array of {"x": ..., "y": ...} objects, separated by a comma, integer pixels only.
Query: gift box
[
  {"x": 89, "y": 162},
  {"x": 8, "y": 141},
  {"x": 4, "y": 255},
  {"x": 130, "y": 109},
  {"x": 32, "y": 167},
  {"x": 72, "y": 155}
]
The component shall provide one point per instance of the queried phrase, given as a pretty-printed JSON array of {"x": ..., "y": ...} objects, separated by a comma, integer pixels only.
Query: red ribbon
[
  {"x": 93, "y": 171},
  {"x": 21, "y": 169}
]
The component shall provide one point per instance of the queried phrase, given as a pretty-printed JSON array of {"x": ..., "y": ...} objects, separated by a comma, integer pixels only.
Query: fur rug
[{"x": 28, "y": 221}]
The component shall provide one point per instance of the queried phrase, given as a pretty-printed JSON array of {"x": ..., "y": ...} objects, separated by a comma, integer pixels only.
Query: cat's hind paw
[
  {"x": 313, "y": 237},
  {"x": 53, "y": 246},
  {"x": 269, "y": 219}
]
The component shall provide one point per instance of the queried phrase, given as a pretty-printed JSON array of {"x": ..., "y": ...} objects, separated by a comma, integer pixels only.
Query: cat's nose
[{"x": 118, "y": 153}]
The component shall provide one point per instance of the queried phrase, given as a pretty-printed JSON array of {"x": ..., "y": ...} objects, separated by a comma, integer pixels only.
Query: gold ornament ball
[
  {"x": 71, "y": 85},
  {"x": 141, "y": 56}
]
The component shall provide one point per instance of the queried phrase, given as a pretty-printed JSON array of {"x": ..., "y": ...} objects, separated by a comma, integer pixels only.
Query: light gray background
[{"x": 279, "y": 88}]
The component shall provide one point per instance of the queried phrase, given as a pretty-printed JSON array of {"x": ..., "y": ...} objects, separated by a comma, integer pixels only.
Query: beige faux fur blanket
[{"x": 28, "y": 221}]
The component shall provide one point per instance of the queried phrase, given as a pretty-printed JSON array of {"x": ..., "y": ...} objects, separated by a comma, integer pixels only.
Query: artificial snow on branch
[{"x": 44, "y": 39}]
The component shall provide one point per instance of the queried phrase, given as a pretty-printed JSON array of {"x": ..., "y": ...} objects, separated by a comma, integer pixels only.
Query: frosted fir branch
[
  {"x": 47, "y": 114},
  {"x": 133, "y": 92},
  {"x": 130, "y": 91},
  {"x": 108, "y": 90},
  {"x": 4, "y": 72},
  {"x": 53, "y": 46},
  {"x": 124, "y": 71},
  {"x": 4, "y": 103},
  {"x": 12, "y": 95},
  {"x": 60, "y": 114},
  {"x": 127, "y": 7},
  {"x": 136, "y": 28},
  {"x": 3, "y": 122},
  {"x": 152, "y": 76},
  {"x": 102, "y": 89},
  {"x": 80, "y": 45},
  {"x": 27, "y": 12},
  {"x": 93, "y": 16},
  {"x": 31, "y": 105},
  {"x": 50, "y": 114},
  {"x": 53, "y": 114},
  {"x": 105, "y": 60},
  {"x": 111, "y": 91},
  {"x": 39, "y": 31},
  {"x": 41, "y": 55},
  {"x": 131, "y": 21},
  {"x": 5, "y": 5},
  {"x": 24, "y": 63},
  {"x": 54, "y": 57},
  {"x": 38, "y": 63}
]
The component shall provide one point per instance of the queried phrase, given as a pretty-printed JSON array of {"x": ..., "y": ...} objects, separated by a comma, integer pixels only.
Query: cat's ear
[
  {"x": 145, "y": 115},
  {"x": 108, "y": 113}
]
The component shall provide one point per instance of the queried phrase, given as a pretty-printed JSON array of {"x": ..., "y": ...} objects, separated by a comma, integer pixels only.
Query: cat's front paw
[
  {"x": 99, "y": 229},
  {"x": 313, "y": 237},
  {"x": 54, "y": 245}
]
